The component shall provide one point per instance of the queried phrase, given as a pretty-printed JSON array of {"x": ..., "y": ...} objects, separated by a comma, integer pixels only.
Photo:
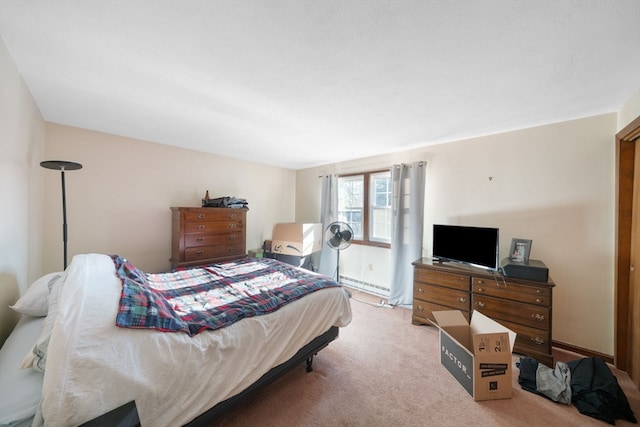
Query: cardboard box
[
  {"x": 477, "y": 354},
  {"x": 296, "y": 239}
]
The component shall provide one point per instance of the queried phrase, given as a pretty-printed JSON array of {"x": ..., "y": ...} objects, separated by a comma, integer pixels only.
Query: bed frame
[
  {"x": 305, "y": 353},
  {"x": 127, "y": 415}
]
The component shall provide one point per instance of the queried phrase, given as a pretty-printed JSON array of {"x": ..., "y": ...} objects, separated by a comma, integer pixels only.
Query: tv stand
[{"x": 523, "y": 306}]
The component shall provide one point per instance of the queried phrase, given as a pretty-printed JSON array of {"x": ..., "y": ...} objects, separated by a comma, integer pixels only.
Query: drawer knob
[
  {"x": 420, "y": 308},
  {"x": 538, "y": 317},
  {"x": 537, "y": 340},
  {"x": 481, "y": 282},
  {"x": 200, "y": 216},
  {"x": 538, "y": 291},
  {"x": 480, "y": 289},
  {"x": 231, "y": 249},
  {"x": 232, "y": 226},
  {"x": 538, "y": 300},
  {"x": 200, "y": 239},
  {"x": 232, "y": 215},
  {"x": 232, "y": 236},
  {"x": 420, "y": 291},
  {"x": 480, "y": 304},
  {"x": 201, "y": 227},
  {"x": 199, "y": 253},
  {"x": 462, "y": 299}
]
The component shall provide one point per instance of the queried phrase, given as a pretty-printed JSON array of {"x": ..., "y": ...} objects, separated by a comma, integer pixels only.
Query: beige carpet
[{"x": 384, "y": 371}]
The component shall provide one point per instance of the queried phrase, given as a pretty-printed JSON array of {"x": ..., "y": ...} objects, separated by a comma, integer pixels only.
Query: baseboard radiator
[{"x": 370, "y": 288}]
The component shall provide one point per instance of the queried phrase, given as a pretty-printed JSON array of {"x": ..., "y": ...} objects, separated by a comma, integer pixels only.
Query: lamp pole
[{"x": 62, "y": 165}]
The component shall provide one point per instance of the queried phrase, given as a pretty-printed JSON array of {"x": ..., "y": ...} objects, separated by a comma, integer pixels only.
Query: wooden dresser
[
  {"x": 523, "y": 306},
  {"x": 207, "y": 235}
]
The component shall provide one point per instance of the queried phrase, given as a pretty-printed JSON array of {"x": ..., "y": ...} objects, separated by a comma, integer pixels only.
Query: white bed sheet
[
  {"x": 19, "y": 388},
  {"x": 93, "y": 366}
]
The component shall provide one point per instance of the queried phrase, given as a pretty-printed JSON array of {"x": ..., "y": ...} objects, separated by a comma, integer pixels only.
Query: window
[{"x": 364, "y": 202}]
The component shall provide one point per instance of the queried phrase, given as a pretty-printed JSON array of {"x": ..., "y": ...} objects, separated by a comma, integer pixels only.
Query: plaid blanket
[{"x": 211, "y": 296}]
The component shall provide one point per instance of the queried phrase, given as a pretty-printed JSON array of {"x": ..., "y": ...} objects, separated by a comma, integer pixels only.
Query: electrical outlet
[{"x": 370, "y": 267}]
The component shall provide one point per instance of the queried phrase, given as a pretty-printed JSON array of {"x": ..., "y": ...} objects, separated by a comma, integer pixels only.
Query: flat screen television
[{"x": 477, "y": 246}]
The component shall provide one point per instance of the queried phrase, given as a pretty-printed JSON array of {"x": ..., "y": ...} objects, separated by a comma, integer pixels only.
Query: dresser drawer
[
  {"x": 212, "y": 227},
  {"x": 530, "y": 339},
  {"x": 449, "y": 280},
  {"x": 423, "y": 312},
  {"x": 524, "y": 314},
  {"x": 199, "y": 239},
  {"x": 204, "y": 215},
  {"x": 457, "y": 300},
  {"x": 205, "y": 252},
  {"x": 513, "y": 291}
]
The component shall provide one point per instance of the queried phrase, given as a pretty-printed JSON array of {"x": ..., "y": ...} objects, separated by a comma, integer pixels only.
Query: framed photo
[{"x": 520, "y": 250}]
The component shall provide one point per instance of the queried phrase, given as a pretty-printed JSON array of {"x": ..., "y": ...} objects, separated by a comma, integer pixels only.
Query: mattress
[
  {"x": 19, "y": 388},
  {"x": 93, "y": 366}
]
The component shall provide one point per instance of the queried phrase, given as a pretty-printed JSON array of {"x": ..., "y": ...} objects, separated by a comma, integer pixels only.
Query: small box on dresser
[{"x": 207, "y": 235}]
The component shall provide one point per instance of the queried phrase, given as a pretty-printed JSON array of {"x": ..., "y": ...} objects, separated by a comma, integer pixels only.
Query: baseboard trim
[
  {"x": 582, "y": 351},
  {"x": 365, "y": 286}
]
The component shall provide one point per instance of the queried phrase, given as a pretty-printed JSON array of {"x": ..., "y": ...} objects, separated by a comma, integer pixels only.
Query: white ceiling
[{"x": 303, "y": 83}]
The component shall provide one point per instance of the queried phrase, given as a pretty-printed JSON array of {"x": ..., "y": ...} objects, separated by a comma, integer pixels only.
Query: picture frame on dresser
[{"x": 520, "y": 250}]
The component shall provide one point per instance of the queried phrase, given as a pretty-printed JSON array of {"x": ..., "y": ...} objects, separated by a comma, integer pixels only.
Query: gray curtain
[
  {"x": 329, "y": 213},
  {"x": 407, "y": 215}
]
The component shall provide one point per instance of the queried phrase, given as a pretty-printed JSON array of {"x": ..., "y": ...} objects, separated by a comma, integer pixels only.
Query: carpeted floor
[{"x": 384, "y": 371}]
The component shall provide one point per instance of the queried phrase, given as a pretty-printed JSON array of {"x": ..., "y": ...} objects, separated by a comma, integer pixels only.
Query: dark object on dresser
[
  {"x": 224, "y": 202},
  {"x": 532, "y": 270}
]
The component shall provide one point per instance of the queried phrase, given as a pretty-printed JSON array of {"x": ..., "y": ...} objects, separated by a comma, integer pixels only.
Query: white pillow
[{"x": 35, "y": 300}]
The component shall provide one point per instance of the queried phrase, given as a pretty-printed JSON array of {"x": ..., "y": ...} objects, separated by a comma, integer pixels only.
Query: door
[
  {"x": 634, "y": 279},
  {"x": 627, "y": 263}
]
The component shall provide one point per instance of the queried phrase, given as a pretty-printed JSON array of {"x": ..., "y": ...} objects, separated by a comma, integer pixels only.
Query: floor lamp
[{"x": 62, "y": 166}]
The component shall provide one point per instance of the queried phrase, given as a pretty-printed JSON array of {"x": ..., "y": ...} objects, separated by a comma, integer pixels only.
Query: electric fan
[{"x": 338, "y": 236}]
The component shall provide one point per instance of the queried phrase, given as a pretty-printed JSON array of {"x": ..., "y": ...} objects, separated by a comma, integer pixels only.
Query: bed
[{"x": 167, "y": 377}]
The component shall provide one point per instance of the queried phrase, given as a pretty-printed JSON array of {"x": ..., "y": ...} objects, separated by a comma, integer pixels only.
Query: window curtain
[
  {"x": 327, "y": 264},
  {"x": 407, "y": 216}
]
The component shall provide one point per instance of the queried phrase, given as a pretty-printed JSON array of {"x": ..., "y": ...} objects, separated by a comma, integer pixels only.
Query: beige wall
[
  {"x": 552, "y": 184},
  {"x": 21, "y": 147},
  {"x": 629, "y": 111},
  {"x": 118, "y": 203}
]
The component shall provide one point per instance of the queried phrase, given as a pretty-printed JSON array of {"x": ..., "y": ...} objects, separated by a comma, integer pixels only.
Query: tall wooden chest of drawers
[
  {"x": 523, "y": 306},
  {"x": 207, "y": 235}
]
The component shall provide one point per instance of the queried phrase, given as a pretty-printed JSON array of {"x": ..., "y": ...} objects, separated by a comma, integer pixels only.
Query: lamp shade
[{"x": 61, "y": 165}]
